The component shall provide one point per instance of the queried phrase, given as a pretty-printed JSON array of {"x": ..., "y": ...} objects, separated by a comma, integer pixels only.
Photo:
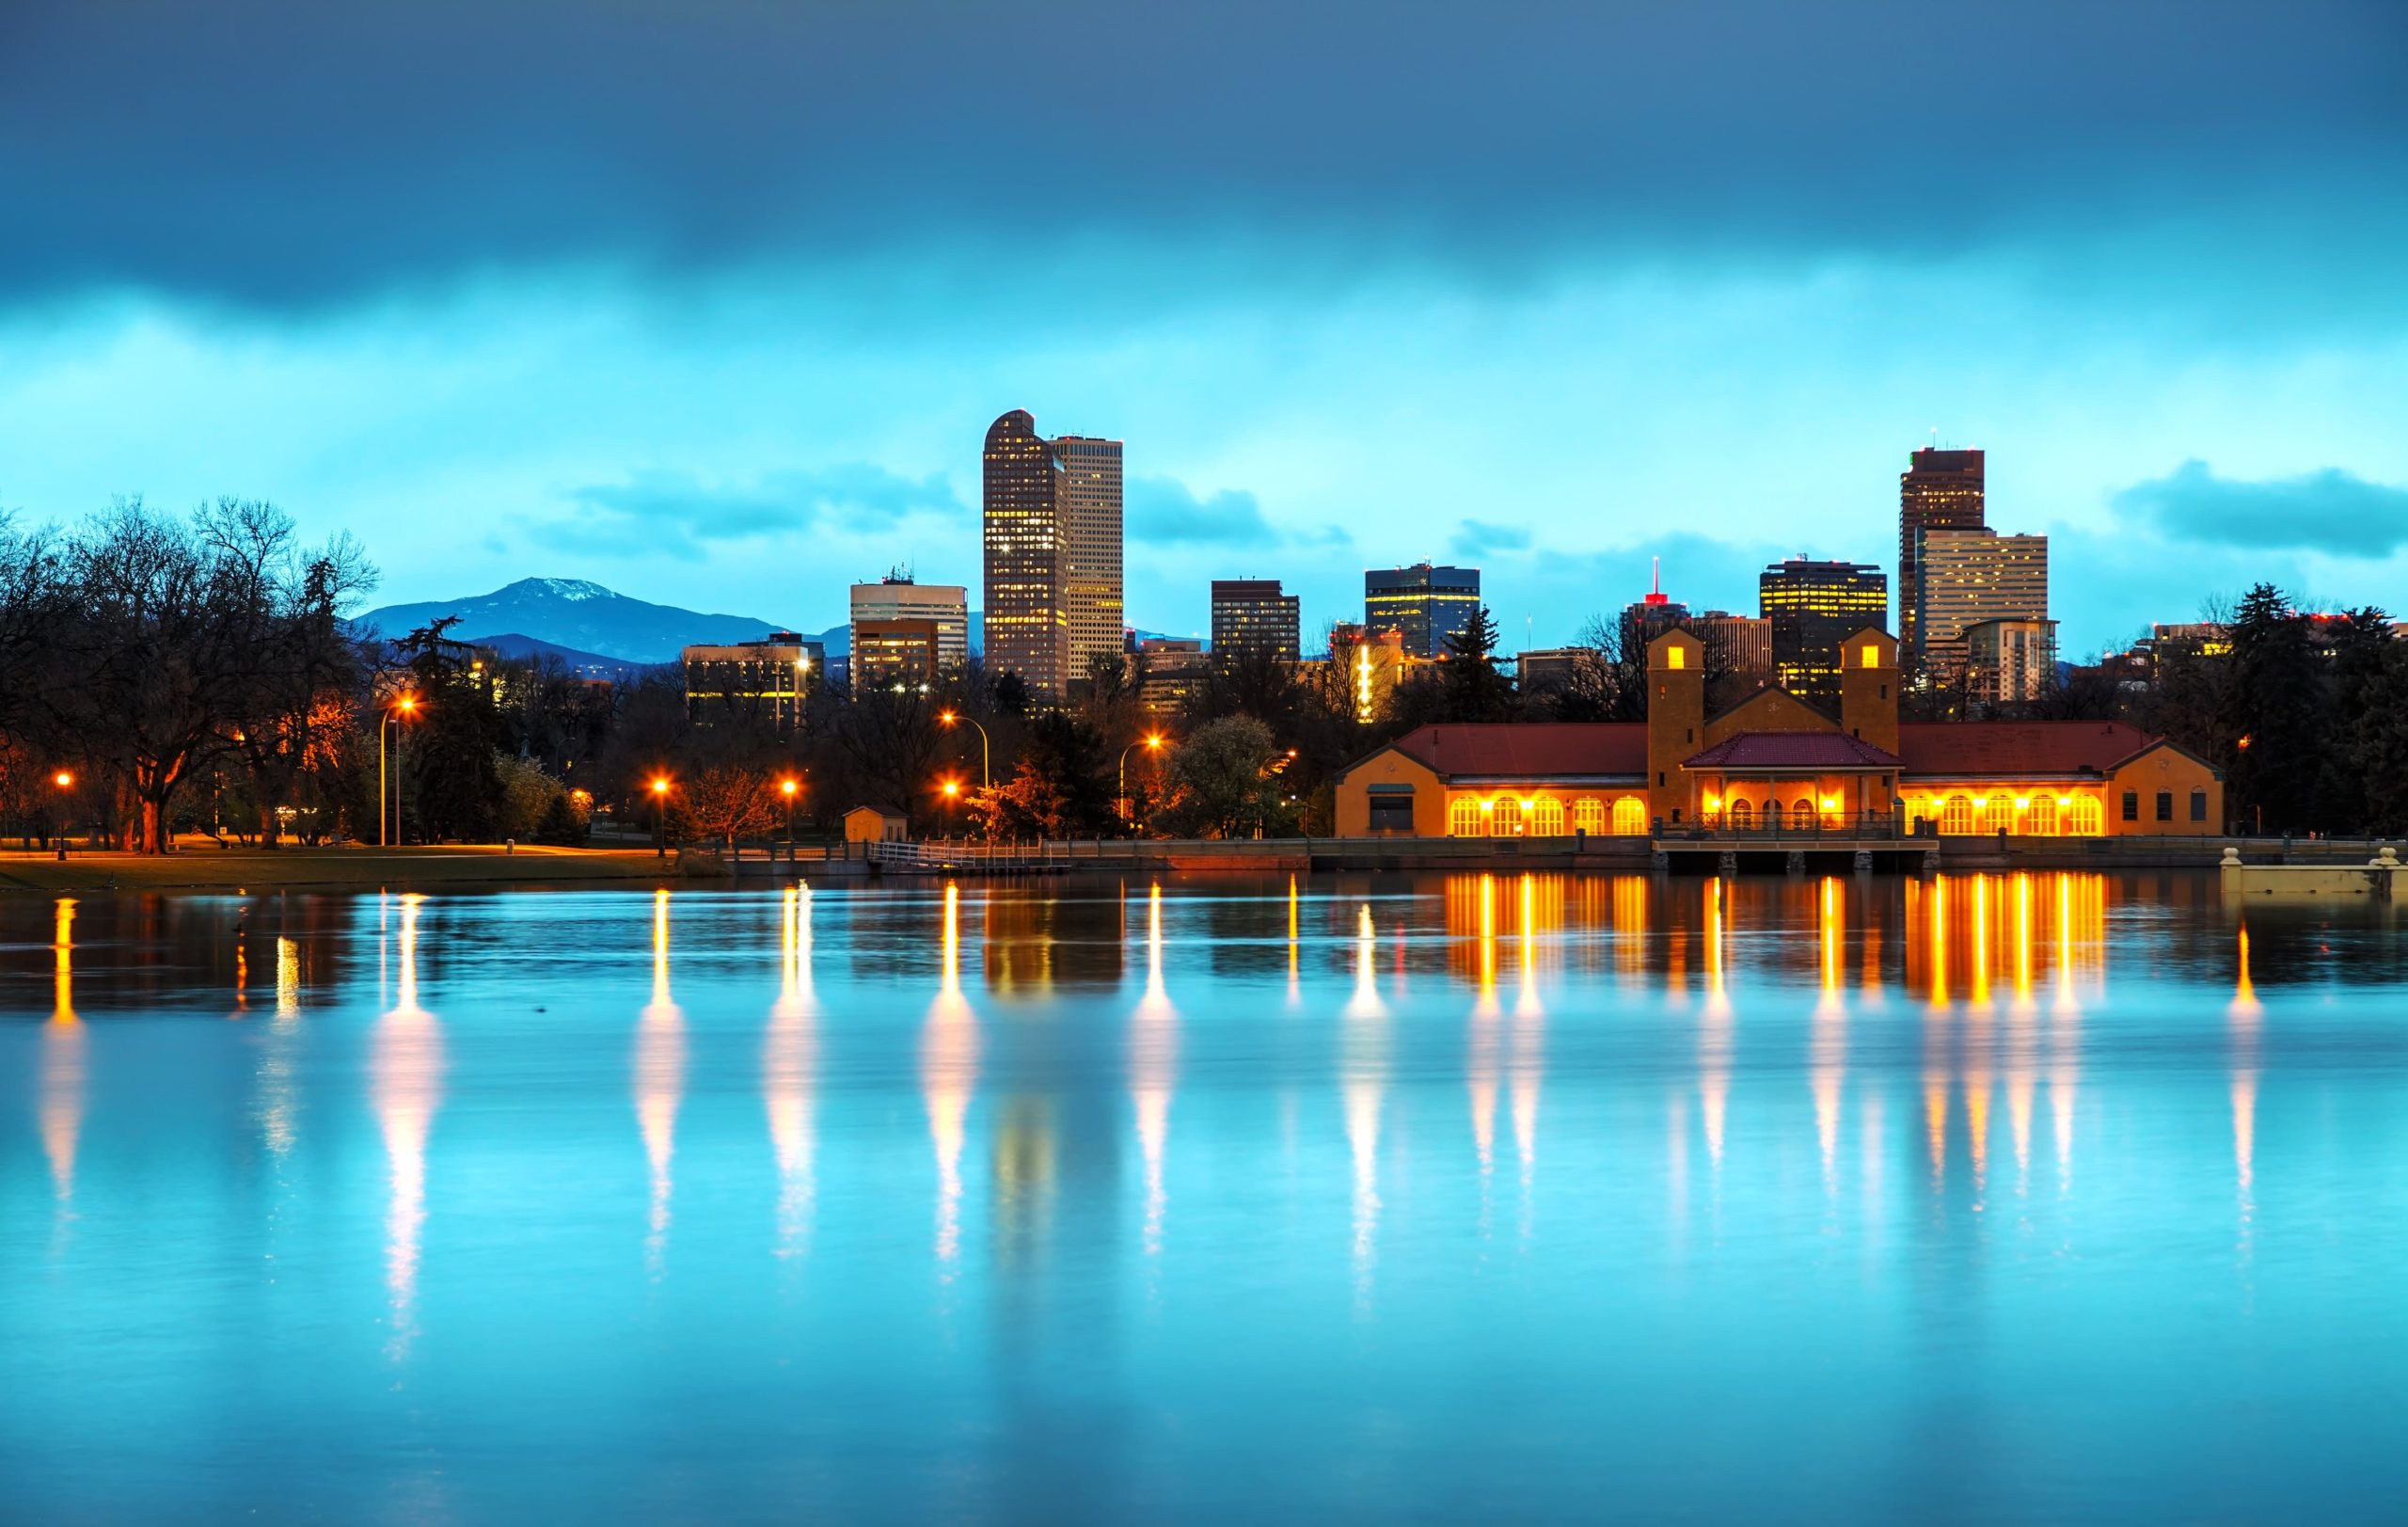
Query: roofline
[{"x": 2153, "y": 743}]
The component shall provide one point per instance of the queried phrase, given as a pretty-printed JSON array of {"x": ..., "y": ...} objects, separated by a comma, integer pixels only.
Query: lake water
[{"x": 1547, "y": 1198}]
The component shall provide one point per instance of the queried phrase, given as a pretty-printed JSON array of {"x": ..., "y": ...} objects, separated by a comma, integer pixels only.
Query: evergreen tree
[
  {"x": 2277, "y": 716},
  {"x": 1473, "y": 689}
]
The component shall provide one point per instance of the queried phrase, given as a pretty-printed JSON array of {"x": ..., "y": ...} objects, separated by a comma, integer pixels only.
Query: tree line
[{"x": 198, "y": 673}]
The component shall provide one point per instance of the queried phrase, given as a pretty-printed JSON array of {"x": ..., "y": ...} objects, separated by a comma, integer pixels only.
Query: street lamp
[
  {"x": 659, "y": 817},
  {"x": 986, "y": 775},
  {"x": 405, "y": 705},
  {"x": 786, "y": 787},
  {"x": 64, "y": 782},
  {"x": 1152, "y": 743}
]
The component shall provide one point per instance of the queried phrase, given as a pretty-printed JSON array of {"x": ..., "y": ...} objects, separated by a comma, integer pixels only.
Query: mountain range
[{"x": 585, "y": 624}]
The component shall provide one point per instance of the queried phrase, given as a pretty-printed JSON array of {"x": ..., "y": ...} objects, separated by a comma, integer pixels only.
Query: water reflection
[
  {"x": 660, "y": 1085},
  {"x": 948, "y": 1073},
  {"x": 1363, "y": 1065},
  {"x": 789, "y": 1064},
  {"x": 2245, "y": 1017},
  {"x": 62, "y": 1059},
  {"x": 1153, "y": 1055},
  {"x": 1714, "y": 1033},
  {"x": 406, "y": 1068},
  {"x": 276, "y": 1091},
  {"x": 1480, "y": 1069},
  {"x": 1827, "y": 1060},
  {"x": 1527, "y": 1061}
]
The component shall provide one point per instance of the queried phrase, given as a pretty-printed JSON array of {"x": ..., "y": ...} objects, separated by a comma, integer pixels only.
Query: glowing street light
[
  {"x": 660, "y": 816},
  {"x": 1152, "y": 743},
  {"x": 400, "y": 710},
  {"x": 787, "y": 786},
  {"x": 64, "y": 780},
  {"x": 986, "y": 775}
]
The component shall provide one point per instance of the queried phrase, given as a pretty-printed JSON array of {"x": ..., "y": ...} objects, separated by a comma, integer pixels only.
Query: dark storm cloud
[
  {"x": 1164, "y": 511},
  {"x": 677, "y": 514},
  {"x": 1477, "y": 538},
  {"x": 288, "y": 153},
  {"x": 2331, "y": 511}
]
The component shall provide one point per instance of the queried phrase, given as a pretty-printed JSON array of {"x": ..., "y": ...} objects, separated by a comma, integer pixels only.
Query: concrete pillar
[
  {"x": 1727, "y": 861},
  {"x": 1659, "y": 861},
  {"x": 1863, "y": 861},
  {"x": 1797, "y": 863},
  {"x": 1931, "y": 861}
]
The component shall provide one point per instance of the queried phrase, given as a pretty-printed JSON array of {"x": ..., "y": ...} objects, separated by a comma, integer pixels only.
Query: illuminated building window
[
  {"x": 1801, "y": 814},
  {"x": 1743, "y": 815},
  {"x": 1871, "y": 655},
  {"x": 1956, "y": 817},
  {"x": 2087, "y": 817},
  {"x": 1547, "y": 820},
  {"x": 1676, "y": 655},
  {"x": 1464, "y": 819},
  {"x": 1630, "y": 816},
  {"x": 2042, "y": 820},
  {"x": 1589, "y": 815}
]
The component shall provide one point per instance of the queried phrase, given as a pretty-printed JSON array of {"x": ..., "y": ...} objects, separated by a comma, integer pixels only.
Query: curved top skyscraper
[{"x": 1052, "y": 553}]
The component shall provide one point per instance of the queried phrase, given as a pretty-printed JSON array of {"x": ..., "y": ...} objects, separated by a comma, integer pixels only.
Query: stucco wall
[{"x": 1389, "y": 767}]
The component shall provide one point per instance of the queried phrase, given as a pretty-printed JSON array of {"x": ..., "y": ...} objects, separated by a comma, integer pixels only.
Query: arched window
[
  {"x": 2087, "y": 817},
  {"x": 1743, "y": 815},
  {"x": 1630, "y": 816},
  {"x": 1589, "y": 815},
  {"x": 1801, "y": 814},
  {"x": 2041, "y": 820},
  {"x": 1464, "y": 817},
  {"x": 1957, "y": 816},
  {"x": 1547, "y": 820}
]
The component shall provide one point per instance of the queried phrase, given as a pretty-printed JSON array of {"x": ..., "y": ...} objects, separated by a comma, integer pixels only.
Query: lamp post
[
  {"x": 786, "y": 787},
  {"x": 659, "y": 817},
  {"x": 986, "y": 775},
  {"x": 405, "y": 705},
  {"x": 1152, "y": 743},
  {"x": 64, "y": 782},
  {"x": 952, "y": 793}
]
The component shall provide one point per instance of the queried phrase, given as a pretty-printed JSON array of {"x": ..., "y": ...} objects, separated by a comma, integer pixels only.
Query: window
[
  {"x": 1801, "y": 814},
  {"x": 1547, "y": 822},
  {"x": 1871, "y": 655},
  {"x": 1630, "y": 816},
  {"x": 1659, "y": 777},
  {"x": 2131, "y": 805},
  {"x": 1743, "y": 815},
  {"x": 1464, "y": 819},
  {"x": 2086, "y": 815},
  {"x": 2042, "y": 820},
  {"x": 2165, "y": 805},
  {"x": 1391, "y": 808},
  {"x": 2198, "y": 805},
  {"x": 1674, "y": 657},
  {"x": 1957, "y": 817},
  {"x": 1589, "y": 815}
]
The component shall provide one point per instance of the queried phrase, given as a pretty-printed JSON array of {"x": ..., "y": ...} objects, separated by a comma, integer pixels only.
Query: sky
[{"x": 712, "y": 302}]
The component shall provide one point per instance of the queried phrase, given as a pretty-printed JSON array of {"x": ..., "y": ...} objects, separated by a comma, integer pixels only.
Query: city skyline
[{"x": 684, "y": 352}]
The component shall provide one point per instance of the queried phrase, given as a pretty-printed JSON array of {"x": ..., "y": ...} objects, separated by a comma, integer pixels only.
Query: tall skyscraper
[
  {"x": 1813, "y": 606},
  {"x": 1939, "y": 490},
  {"x": 1052, "y": 553},
  {"x": 1426, "y": 604},
  {"x": 1649, "y": 616},
  {"x": 1968, "y": 577},
  {"x": 1251, "y": 616}
]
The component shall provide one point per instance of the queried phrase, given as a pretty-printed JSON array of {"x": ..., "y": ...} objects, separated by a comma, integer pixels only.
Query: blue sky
[{"x": 713, "y": 303}]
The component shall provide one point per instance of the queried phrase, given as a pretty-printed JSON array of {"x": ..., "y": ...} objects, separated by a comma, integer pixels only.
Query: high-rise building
[
  {"x": 1172, "y": 669},
  {"x": 2007, "y": 661},
  {"x": 1739, "y": 645},
  {"x": 1251, "y": 617},
  {"x": 1939, "y": 490},
  {"x": 1812, "y": 607},
  {"x": 943, "y": 607},
  {"x": 1650, "y": 617},
  {"x": 766, "y": 681},
  {"x": 1969, "y": 577},
  {"x": 1370, "y": 665},
  {"x": 1052, "y": 553},
  {"x": 1426, "y": 604}
]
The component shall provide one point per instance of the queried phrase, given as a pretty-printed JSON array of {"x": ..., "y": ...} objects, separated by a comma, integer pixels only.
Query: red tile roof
[
  {"x": 1800, "y": 751},
  {"x": 1527, "y": 750},
  {"x": 1976, "y": 748}
]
